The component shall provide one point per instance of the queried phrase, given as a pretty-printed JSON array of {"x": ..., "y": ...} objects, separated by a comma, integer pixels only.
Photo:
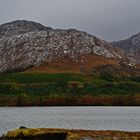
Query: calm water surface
[{"x": 96, "y": 118}]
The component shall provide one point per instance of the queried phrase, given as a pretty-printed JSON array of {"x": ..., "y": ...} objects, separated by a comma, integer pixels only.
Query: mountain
[
  {"x": 30, "y": 46},
  {"x": 131, "y": 46},
  {"x": 20, "y": 27},
  {"x": 52, "y": 67}
]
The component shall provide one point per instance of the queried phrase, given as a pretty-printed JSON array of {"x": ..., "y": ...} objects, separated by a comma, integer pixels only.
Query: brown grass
[
  {"x": 83, "y": 63},
  {"x": 74, "y": 134}
]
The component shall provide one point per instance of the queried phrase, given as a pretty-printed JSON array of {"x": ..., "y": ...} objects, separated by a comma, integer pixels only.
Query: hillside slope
[
  {"x": 26, "y": 45},
  {"x": 131, "y": 46},
  {"x": 41, "y": 66}
]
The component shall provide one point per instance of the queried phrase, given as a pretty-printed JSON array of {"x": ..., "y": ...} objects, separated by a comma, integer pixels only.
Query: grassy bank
[
  {"x": 65, "y": 134},
  {"x": 29, "y": 89}
]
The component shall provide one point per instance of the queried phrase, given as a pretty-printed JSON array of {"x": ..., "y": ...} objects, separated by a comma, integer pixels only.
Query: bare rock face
[
  {"x": 131, "y": 46},
  {"x": 20, "y": 27},
  {"x": 25, "y": 44}
]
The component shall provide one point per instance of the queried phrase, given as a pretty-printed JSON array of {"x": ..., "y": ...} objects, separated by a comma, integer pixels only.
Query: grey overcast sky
[{"x": 108, "y": 19}]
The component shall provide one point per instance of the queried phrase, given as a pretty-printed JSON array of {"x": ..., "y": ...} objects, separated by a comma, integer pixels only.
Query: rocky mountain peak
[
  {"x": 20, "y": 27},
  {"x": 130, "y": 46},
  {"x": 25, "y": 44}
]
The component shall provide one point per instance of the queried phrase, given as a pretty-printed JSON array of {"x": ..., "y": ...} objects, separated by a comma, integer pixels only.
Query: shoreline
[
  {"x": 69, "y": 134},
  {"x": 70, "y": 106}
]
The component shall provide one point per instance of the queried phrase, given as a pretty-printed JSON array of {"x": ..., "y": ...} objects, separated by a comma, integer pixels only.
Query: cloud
[{"x": 108, "y": 19}]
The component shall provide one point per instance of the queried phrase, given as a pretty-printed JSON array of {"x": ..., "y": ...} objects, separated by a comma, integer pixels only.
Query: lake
[{"x": 95, "y": 118}]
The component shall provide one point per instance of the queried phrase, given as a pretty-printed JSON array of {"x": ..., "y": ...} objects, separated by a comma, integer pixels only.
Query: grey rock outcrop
[
  {"x": 130, "y": 46},
  {"x": 25, "y": 44},
  {"x": 20, "y": 27}
]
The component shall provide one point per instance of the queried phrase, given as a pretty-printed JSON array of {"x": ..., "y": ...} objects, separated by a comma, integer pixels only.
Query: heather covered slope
[{"x": 82, "y": 64}]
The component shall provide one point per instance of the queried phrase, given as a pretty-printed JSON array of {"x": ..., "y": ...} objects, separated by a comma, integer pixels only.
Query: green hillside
[{"x": 30, "y": 89}]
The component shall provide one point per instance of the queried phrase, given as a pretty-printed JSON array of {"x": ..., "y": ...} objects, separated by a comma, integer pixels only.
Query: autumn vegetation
[
  {"x": 67, "y": 89},
  {"x": 67, "y": 134}
]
